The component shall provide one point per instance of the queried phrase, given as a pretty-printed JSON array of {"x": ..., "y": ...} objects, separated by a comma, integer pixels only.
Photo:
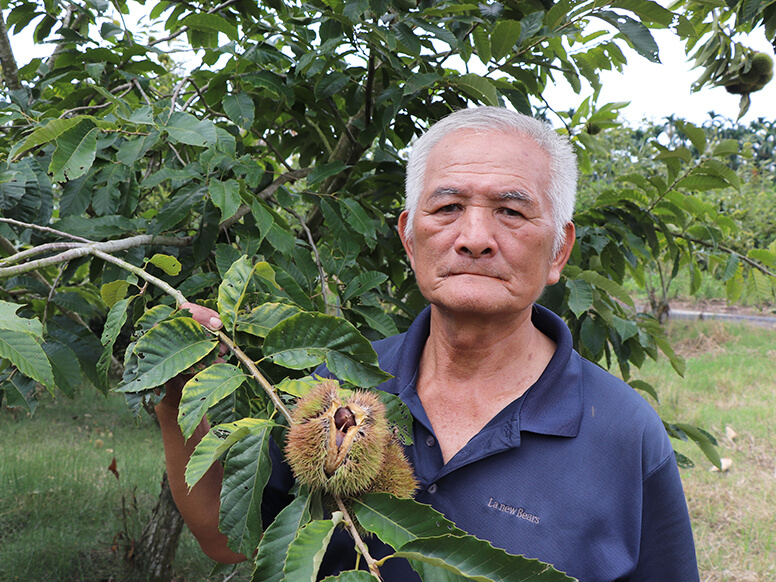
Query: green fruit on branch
[
  {"x": 758, "y": 75},
  {"x": 342, "y": 444}
]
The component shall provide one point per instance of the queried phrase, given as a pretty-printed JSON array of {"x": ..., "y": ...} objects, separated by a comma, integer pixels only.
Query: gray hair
[{"x": 562, "y": 188}]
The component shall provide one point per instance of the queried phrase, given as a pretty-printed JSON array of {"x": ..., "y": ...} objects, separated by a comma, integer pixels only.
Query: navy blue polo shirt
[{"x": 578, "y": 472}]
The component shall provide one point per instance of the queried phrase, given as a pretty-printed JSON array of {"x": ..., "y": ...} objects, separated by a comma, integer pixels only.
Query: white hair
[{"x": 562, "y": 183}]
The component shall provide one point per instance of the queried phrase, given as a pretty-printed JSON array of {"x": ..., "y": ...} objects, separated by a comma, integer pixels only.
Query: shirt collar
[{"x": 552, "y": 406}]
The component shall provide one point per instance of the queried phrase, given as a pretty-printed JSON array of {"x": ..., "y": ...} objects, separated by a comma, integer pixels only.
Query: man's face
[{"x": 483, "y": 230}]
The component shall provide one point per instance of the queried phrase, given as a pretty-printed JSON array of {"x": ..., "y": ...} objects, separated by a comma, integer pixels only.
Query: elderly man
[{"x": 517, "y": 439}]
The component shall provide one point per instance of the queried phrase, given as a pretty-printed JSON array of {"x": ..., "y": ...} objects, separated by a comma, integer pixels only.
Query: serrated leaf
[
  {"x": 580, "y": 296},
  {"x": 645, "y": 387},
  {"x": 305, "y": 553},
  {"x": 237, "y": 281},
  {"x": 478, "y": 88},
  {"x": 321, "y": 172},
  {"x": 209, "y": 386},
  {"x": 114, "y": 292},
  {"x": 64, "y": 366},
  {"x": 226, "y": 196},
  {"x": 504, "y": 37},
  {"x": 308, "y": 339},
  {"x": 704, "y": 441},
  {"x": 696, "y": 134},
  {"x": 635, "y": 32},
  {"x": 166, "y": 263},
  {"x": 477, "y": 559},
  {"x": 273, "y": 548},
  {"x": 264, "y": 317},
  {"x": 49, "y": 132},
  {"x": 362, "y": 283},
  {"x": 332, "y": 83},
  {"x": 246, "y": 472},
  {"x": 24, "y": 352},
  {"x": 240, "y": 109},
  {"x": 612, "y": 288},
  {"x": 177, "y": 209},
  {"x": 399, "y": 521},
  {"x": 217, "y": 441},
  {"x": 166, "y": 350},
  {"x": 185, "y": 128},
  {"x": 298, "y": 387},
  {"x": 115, "y": 320},
  {"x": 677, "y": 361},
  {"x": 75, "y": 153},
  {"x": 12, "y": 322}
]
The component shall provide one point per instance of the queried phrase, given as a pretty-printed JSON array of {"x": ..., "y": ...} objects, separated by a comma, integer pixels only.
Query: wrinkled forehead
[{"x": 487, "y": 154}]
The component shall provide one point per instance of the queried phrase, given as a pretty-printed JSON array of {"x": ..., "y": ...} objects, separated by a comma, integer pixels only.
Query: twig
[
  {"x": 45, "y": 229},
  {"x": 753, "y": 264},
  {"x": 93, "y": 248},
  {"x": 44, "y": 248},
  {"x": 321, "y": 272},
  {"x": 139, "y": 88},
  {"x": 268, "y": 388},
  {"x": 370, "y": 561},
  {"x": 175, "y": 94},
  {"x": 166, "y": 287},
  {"x": 62, "y": 268}
]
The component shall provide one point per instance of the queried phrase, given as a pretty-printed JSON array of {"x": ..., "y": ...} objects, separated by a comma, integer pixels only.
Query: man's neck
[{"x": 471, "y": 368}]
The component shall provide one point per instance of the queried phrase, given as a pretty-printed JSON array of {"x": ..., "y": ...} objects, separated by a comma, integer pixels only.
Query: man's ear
[
  {"x": 406, "y": 241},
  {"x": 562, "y": 257}
]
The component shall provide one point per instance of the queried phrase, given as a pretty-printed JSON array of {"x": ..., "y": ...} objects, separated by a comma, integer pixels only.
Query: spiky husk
[
  {"x": 396, "y": 476},
  {"x": 308, "y": 441}
]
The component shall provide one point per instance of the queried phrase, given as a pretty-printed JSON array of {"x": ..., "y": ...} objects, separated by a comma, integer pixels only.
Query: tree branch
[
  {"x": 46, "y": 229},
  {"x": 753, "y": 264},
  {"x": 370, "y": 561}
]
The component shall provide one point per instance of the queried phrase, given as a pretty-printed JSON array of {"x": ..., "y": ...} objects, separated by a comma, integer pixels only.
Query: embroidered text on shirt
[{"x": 516, "y": 511}]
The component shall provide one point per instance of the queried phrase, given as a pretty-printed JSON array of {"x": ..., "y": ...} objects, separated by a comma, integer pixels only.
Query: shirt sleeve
[{"x": 667, "y": 549}]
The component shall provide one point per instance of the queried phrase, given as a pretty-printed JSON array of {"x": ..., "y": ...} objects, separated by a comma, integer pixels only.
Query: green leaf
[
  {"x": 696, "y": 134},
  {"x": 246, "y": 472},
  {"x": 166, "y": 350},
  {"x": 305, "y": 553},
  {"x": 482, "y": 44},
  {"x": 505, "y": 36},
  {"x": 308, "y": 339},
  {"x": 321, "y": 172},
  {"x": 49, "y": 132},
  {"x": 65, "y": 367},
  {"x": 636, "y": 33},
  {"x": 226, "y": 196},
  {"x": 166, "y": 263},
  {"x": 362, "y": 283},
  {"x": 23, "y": 351},
  {"x": 399, "y": 521},
  {"x": 645, "y": 387},
  {"x": 332, "y": 83},
  {"x": 608, "y": 286},
  {"x": 211, "y": 23},
  {"x": 75, "y": 153},
  {"x": 264, "y": 317},
  {"x": 273, "y": 548},
  {"x": 478, "y": 88},
  {"x": 219, "y": 440},
  {"x": 240, "y": 109},
  {"x": 211, "y": 385},
  {"x": 298, "y": 387},
  {"x": 12, "y": 322},
  {"x": 117, "y": 317},
  {"x": 704, "y": 441},
  {"x": 477, "y": 559},
  {"x": 114, "y": 292},
  {"x": 580, "y": 296},
  {"x": 185, "y": 128},
  {"x": 237, "y": 281},
  {"x": 177, "y": 209}
]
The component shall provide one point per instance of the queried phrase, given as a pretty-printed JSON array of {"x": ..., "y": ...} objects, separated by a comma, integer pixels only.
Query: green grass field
[{"x": 65, "y": 517}]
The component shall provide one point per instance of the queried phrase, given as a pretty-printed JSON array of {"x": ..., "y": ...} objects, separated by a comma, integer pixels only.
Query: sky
[{"x": 655, "y": 91}]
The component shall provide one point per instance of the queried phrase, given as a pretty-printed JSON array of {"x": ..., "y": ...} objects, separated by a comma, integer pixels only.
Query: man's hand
[{"x": 209, "y": 319}]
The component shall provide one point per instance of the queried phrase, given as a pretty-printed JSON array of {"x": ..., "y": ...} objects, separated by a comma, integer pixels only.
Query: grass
[
  {"x": 63, "y": 515},
  {"x": 729, "y": 389}
]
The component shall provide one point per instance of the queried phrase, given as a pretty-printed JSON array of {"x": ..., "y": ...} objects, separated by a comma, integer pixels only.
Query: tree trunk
[
  {"x": 155, "y": 550},
  {"x": 10, "y": 71}
]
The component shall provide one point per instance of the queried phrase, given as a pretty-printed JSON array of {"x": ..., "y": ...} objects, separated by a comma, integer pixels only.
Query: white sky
[{"x": 654, "y": 91}]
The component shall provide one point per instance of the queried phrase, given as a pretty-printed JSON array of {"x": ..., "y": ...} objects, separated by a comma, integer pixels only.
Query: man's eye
[
  {"x": 449, "y": 208},
  {"x": 510, "y": 212}
]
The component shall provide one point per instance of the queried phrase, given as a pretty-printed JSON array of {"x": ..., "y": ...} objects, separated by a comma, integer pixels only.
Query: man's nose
[{"x": 475, "y": 238}]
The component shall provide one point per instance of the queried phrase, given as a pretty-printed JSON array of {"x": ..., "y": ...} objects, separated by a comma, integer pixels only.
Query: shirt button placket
[
  {"x": 430, "y": 440},
  {"x": 432, "y": 488}
]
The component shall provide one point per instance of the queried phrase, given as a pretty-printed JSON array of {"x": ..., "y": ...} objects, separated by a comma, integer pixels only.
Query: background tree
[{"x": 266, "y": 182}]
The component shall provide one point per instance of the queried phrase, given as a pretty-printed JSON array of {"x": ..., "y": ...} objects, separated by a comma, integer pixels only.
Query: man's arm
[{"x": 199, "y": 505}]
